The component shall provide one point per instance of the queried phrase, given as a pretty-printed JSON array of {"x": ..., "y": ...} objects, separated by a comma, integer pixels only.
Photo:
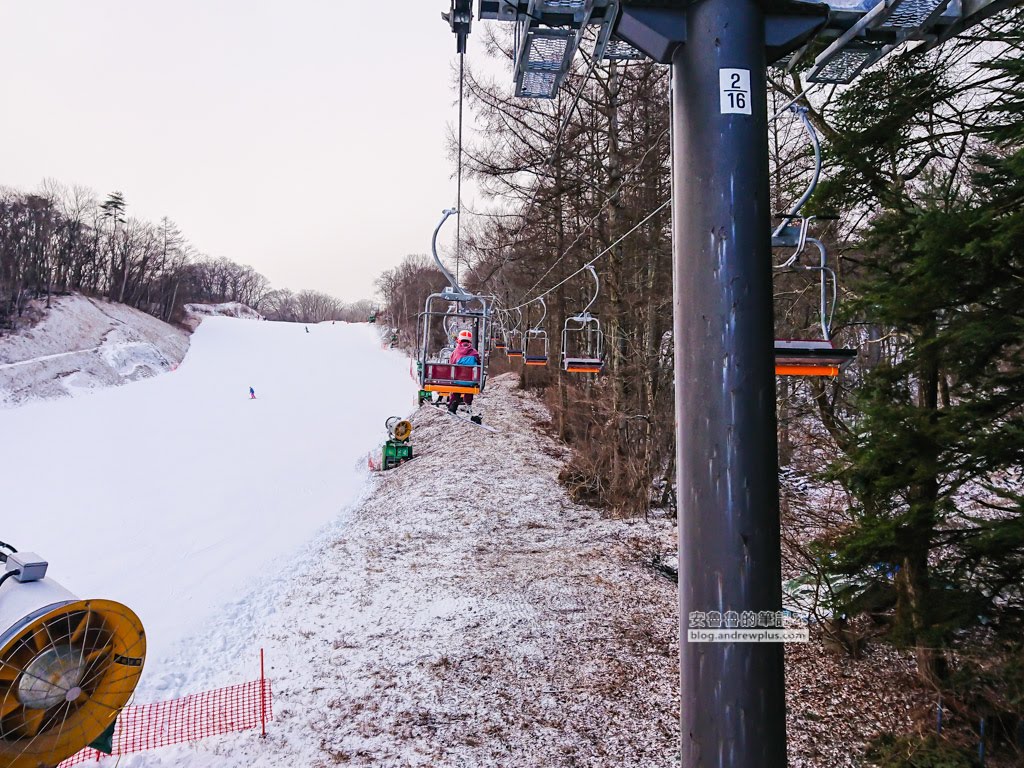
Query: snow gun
[
  {"x": 67, "y": 666},
  {"x": 397, "y": 448}
]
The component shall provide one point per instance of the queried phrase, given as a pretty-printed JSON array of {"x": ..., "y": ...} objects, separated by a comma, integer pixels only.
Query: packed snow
[{"x": 175, "y": 494}]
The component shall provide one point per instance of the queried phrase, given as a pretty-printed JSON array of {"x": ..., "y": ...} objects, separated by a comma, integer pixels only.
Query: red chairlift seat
[
  {"x": 461, "y": 312},
  {"x": 446, "y": 378}
]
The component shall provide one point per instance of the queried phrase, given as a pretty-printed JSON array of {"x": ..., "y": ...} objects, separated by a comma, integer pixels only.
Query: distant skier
[
  {"x": 307, "y": 329},
  {"x": 463, "y": 354},
  {"x": 252, "y": 393}
]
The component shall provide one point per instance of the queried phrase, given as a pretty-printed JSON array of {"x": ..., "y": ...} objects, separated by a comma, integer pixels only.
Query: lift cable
[
  {"x": 631, "y": 171},
  {"x": 590, "y": 263},
  {"x": 460, "y": 19},
  {"x": 458, "y": 184},
  {"x": 556, "y": 146},
  {"x": 586, "y": 227}
]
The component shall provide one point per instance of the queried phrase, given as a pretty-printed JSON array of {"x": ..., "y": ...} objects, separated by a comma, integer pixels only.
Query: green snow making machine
[{"x": 397, "y": 449}]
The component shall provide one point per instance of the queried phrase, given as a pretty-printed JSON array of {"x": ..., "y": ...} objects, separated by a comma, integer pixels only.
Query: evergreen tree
[{"x": 935, "y": 451}]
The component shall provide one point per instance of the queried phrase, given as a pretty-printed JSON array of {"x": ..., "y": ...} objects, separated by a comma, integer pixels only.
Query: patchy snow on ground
[
  {"x": 175, "y": 494},
  {"x": 82, "y": 344},
  {"x": 465, "y": 613}
]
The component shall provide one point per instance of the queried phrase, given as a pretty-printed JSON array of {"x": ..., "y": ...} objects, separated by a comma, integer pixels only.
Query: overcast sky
[{"x": 303, "y": 137}]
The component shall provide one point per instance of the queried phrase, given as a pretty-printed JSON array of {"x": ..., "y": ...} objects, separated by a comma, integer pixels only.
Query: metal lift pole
[
  {"x": 733, "y": 704},
  {"x": 733, "y": 698}
]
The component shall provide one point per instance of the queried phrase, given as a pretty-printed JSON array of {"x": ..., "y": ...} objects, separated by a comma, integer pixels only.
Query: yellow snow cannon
[
  {"x": 397, "y": 448},
  {"x": 399, "y": 429},
  {"x": 67, "y": 666}
]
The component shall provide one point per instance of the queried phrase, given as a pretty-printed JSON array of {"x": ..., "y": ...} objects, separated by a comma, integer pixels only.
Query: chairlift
[
  {"x": 451, "y": 311},
  {"x": 498, "y": 331},
  {"x": 535, "y": 344},
  {"x": 494, "y": 333},
  {"x": 515, "y": 336},
  {"x": 582, "y": 338},
  {"x": 809, "y": 357}
]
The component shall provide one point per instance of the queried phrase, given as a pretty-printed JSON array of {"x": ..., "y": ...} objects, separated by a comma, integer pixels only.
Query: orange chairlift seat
[
  {"x": 809, "y": 357},
  {"x": 814, "y": 357},
  {"x": 498, "y": 332}
]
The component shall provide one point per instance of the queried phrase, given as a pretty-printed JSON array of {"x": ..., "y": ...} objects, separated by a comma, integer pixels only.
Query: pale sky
[{"x": 303, "y": 137}]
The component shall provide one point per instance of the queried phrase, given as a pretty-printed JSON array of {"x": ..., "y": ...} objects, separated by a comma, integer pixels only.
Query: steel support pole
[{"x": 733, "y": 706}]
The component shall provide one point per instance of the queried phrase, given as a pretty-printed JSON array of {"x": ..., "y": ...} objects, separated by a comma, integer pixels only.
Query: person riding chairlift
[{"x": 463, "y": 354}]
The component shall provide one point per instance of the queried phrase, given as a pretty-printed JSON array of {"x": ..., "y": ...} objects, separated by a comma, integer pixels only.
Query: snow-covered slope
[
  {"x": 174, "y": 494},
  {"x": 83, "y": 344}
]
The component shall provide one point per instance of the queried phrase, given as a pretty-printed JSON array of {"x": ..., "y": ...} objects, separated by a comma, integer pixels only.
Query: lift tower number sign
[{"x": 734, "y": 86}]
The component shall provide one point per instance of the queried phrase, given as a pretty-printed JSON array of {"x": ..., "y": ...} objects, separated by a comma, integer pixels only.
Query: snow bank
[
  {"x": 174, "y": 495},
  {"x": 225, "y": 309},
  {"x": 82, "y": 344}
]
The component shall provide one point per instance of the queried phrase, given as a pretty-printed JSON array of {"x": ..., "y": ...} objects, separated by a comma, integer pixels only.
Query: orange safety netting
[{"x": 193, "y": 717}]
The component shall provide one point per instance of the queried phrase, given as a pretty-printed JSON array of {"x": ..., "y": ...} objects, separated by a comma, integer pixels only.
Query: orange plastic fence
[{"x": 197, "y": 716}]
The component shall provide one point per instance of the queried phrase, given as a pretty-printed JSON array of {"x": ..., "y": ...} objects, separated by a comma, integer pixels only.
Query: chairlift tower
[{"x": 732, "y": 693}]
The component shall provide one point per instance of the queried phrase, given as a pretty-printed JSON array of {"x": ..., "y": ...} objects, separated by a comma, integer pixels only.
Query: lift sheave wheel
[{"x": 66, "y": 671}]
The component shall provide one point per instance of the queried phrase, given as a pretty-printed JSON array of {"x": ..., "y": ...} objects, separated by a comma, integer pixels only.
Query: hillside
[{"x": 81, "y": 344}]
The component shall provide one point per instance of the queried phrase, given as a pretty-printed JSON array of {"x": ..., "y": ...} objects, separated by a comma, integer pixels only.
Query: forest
[
  {"x": 63, "y": 239},
  {"x": 901, "y": 479}
]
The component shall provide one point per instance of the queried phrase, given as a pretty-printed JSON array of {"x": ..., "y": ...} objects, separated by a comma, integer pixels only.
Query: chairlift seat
[
  {"x": 535, "y": 346},
  {"x": 583, "y": 365},
  {"x": 810, "y": 357},
  {"x": 447, "y": 378},
  {"x": 446, "y": 315}
]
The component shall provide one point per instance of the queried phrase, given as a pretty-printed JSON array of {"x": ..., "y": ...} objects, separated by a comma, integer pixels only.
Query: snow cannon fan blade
[
  {"x": 399, "y": 429},
  {"x": 67, "y": 668}
]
